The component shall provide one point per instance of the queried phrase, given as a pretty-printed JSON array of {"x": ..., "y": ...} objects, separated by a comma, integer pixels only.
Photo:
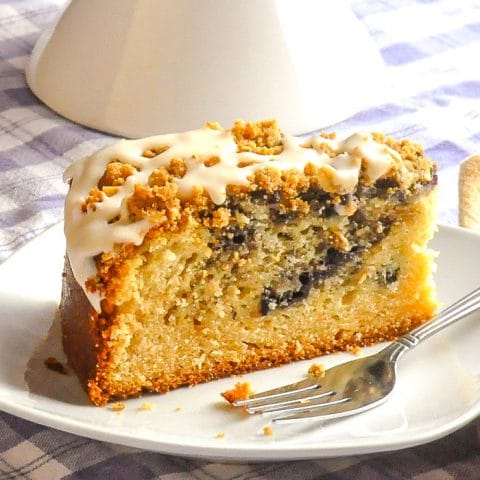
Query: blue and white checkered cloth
[{"x": 432, "y": 51}]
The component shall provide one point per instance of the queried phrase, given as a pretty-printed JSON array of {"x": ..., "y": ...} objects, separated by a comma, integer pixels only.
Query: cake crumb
[
  {"x": 53, "y": 364},
  {"x": 241, "y": 391},
  {"x": 213, "y": 125},
  {"x": 356, "y": 350},
  {"x": 220, "y": 435},
  {"x": 146, "y": 407},
  {"x": 316, "y": 370},
  {"x": 117, "y": 407},
  {"x": 178, "y": 409},
  {"x": 267, "y": 431}
]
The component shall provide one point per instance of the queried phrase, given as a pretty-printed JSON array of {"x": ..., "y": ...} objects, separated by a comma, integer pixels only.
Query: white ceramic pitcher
[{"x": 143, "y": 67}]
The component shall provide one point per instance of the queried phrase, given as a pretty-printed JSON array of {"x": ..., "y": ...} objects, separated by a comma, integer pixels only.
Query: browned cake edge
[{"x": 80, "y": 327}]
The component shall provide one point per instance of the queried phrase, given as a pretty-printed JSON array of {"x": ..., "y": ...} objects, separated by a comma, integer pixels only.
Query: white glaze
[{"x": 89, "y": 234}]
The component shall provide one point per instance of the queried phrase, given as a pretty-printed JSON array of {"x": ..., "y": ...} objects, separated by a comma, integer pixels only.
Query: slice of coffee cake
[{"x": 214, "y": 252}]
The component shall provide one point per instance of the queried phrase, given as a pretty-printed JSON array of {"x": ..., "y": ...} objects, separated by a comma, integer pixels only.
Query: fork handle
[{"x": 460, "y": 309}]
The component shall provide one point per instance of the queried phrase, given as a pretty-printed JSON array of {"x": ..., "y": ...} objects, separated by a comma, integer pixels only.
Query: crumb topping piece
[
  {"x": 263, "y": 138},
  {"x": 241, "y": 391},
  {"x": 115, "y": 174}
]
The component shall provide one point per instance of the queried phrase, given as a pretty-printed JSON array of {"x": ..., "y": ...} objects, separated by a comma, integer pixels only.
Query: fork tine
[
  {"x": 298, "y": 399},
  {"x": 325, "y": 412},
  {"x": 313, "y": 405},
  {"x": 280, "y": 392}
]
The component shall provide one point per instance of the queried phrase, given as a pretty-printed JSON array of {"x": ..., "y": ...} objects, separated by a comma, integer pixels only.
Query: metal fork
[{"x": 354, "y": 386}]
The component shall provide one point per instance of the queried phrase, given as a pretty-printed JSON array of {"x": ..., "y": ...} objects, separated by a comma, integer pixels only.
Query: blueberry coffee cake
[{"x": 214, "y": 252}]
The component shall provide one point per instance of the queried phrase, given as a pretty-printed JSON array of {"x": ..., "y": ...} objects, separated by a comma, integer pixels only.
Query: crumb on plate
[
  {"x": 241, "y": 391},
  {"x": 146, "y": 406},
  {"x": 316, "y": 370},
  {"x": 117, "y": 407},
  {"x": 267, "y": 431},
  {"x": 53, "y": 364}
]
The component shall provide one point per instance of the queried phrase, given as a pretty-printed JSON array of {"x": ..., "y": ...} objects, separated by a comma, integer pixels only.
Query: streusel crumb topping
[{"x": 166, "y": 183}]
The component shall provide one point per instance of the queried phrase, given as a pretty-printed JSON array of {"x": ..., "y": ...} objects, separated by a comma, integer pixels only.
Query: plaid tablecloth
[{"x": 432, "y": 52}]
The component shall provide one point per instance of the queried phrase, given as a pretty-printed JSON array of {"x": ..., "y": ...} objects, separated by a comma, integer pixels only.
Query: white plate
[{"x": 438, "y": 387}]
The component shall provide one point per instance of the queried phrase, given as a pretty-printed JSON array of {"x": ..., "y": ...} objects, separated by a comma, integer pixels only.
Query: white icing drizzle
[{"x": 90, "y": 233}]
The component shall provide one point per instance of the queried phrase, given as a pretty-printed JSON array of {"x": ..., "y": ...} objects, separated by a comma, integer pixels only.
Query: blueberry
[
  {"x": 390, "y": 275},
  {"x": 386, "y": 183}
]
